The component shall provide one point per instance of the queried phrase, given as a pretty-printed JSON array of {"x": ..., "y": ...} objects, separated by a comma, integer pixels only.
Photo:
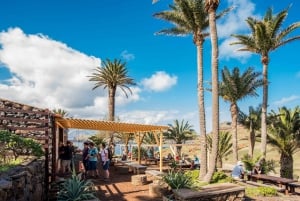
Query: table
[{"x": 275, "y": 180}]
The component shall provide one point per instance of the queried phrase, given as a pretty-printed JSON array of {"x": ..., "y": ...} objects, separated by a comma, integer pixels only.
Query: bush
[
  {"x": 260, "y": 191},
  {"x": 220, "y": 177},
  {"x": 19, "y": 145},
  {"x": 135, "y": 152},
  {"x": 177, "y": 180}
]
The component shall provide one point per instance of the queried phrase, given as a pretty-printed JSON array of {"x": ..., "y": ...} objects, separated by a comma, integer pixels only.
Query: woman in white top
[{"x": 105, "y": 160}]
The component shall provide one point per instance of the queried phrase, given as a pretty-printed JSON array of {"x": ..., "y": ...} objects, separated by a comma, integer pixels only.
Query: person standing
[
  {"x": 66, "y": 158},
  {"x": 105, "y": 161},
  {"x": 93, "y": 158},
  {"x": 85, "y": 158}
]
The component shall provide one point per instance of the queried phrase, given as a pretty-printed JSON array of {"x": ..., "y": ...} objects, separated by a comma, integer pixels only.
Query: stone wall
[{"x": 24, "y": 182}]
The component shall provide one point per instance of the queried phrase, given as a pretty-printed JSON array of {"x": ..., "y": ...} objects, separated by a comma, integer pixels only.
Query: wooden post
[
  {"x": 139, "y": 149},
  {"x": 160, "y": 152}
]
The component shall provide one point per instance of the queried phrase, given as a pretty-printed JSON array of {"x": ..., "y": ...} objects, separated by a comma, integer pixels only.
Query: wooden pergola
[{"x": 139, "y": 130}]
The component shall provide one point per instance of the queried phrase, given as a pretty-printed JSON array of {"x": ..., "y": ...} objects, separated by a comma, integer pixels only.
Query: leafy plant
[
  {"x": 19, "y": 145},
  {"x": 220, "y": 177},
  {"x": 135, "y": 152},
  {"x": 266, "y": 165},
  {"x": 177, "y": 180},
  {"x": 75, "y": 189},
  {"x": 260, "y": 191}
]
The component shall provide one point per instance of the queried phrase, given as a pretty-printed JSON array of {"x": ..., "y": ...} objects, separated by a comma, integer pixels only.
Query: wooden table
[{"x": 275, "y": 180}]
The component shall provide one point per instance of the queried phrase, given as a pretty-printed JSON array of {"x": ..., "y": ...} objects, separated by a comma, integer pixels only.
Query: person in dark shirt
[
  {"x": 66, "y": 158},
  {"x": 85, "y": 158}
]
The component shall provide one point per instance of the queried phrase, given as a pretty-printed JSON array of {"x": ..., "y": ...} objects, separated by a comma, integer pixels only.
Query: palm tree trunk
[
  {"x": 219, "y": 162},
  {"x": 111, "y": 109},
  {"x": 215, "y": 89},
  {"x": 234, "y": 113},
  {"x": 264, "y": 107},
  {"x": 178, "y": 149},
  {"x": 286, "y": 166},
  {"x": 201, "y": 107},
  {"x": 251, "y": 141}
]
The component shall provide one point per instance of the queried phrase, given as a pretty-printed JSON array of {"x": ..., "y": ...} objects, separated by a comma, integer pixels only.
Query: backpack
[{"x": 109, "y": 153}]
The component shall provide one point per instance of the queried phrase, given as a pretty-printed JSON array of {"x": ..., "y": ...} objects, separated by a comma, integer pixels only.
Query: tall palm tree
[
  {"x": 190, "y": 17},
  {"x": 112, "y": 75},
  {"x": 284, "y": 135},
  {"x": 211, "y": 6},
  {"x": 266, "y": 36},
  {"x": 234, "y": 87},
  {"x": 179, "y": 132},
  {"x": 252, "y": 122},
  {"x": 225, "y": 146}
]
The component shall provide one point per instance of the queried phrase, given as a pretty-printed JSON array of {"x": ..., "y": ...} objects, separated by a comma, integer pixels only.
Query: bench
[
  {"x": 294, "y": 185},
  {"x": 257, "y": 184},
  {"x": 155, "y": 174},
  {"x": 220, "y": 191},
  {"x": 138, "y": 169},
  {"x": 150, "y": 160}
]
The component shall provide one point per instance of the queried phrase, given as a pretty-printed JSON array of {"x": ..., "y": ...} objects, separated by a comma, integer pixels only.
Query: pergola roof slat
[{"x": 107, "y": 125}]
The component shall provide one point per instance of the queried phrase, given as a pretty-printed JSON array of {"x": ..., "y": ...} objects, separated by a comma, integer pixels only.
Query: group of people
[
  {"x": 238, "y": 171},
  {"x": 90, "y": 158}
]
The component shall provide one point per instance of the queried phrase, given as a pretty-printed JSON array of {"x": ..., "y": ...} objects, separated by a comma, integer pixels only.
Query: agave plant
[
  {"x": 75, "y": 189},
  {"x": 177, "y": 180}
]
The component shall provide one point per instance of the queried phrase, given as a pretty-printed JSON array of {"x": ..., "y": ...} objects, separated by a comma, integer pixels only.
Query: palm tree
[
  {"x": 266, "y": 36},
  {"x": 179, "y": 132},
  {"x": 284, "y": 135},
  {"x": 251, "y": 122},
  {"x": 112, "y": 75},
  {"x": 125, "y": 138},
  {"x": 236, "y": 86},
  {"x": 150, "y": 139},
  {"x": 225, "y": 146},
  {"x": 190, "y": 17},
  {"x": 61, "y": 112},
  {"x": 211, "y": 6}
]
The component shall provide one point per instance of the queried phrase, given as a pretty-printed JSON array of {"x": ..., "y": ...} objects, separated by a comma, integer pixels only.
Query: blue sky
[{"x": 48, "y": 48}]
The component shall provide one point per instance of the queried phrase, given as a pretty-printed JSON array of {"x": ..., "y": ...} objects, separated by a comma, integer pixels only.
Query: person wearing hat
[{"x": 238, "y": 171}]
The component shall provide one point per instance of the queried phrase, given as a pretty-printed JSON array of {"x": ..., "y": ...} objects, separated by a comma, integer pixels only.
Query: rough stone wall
[{"x": 24, "y": 182}]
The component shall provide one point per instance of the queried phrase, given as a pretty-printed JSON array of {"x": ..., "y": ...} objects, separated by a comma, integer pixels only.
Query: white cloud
[
  {"x": 127, "y": 56},
  {"x": 234, "y": 23},
  {"x": 160, "y": 81},
  {"x": 49, "y": 74},
  {"x": 286, "y": 100}
]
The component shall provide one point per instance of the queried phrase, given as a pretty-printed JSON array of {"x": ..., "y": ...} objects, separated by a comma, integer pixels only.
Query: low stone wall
[{"x": 24, "y": 182}]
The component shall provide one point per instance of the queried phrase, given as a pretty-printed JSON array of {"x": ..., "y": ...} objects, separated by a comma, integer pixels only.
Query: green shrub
[
  {"x": 75, "y": 189},
  {"x": 260, "y": 191},
  {"x": 177, "y": 180},
  {"x": 135, "y": 152},
  {"x": 220, "y": 177},
  {"x": 193, "y": 174},
  {"x": 19, "y": 145}
]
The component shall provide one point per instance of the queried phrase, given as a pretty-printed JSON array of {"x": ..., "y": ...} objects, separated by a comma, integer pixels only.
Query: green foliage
[
  {"x": 260, "y": 191},
  {"x": 266, "y": 165},
  {"x": 97, "y": 140},
  {"x": 135, "y": 152},
  {"x": 220, "y": 177},
  {"x": 193, "y": 174},
  {"x": 177, "y": 180},
  {"x": 75, "y": 189},
  {"x": 10, "y": 164},
  {"x": 19, "y": 145},
  {"x": 225, "y": 145}
]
